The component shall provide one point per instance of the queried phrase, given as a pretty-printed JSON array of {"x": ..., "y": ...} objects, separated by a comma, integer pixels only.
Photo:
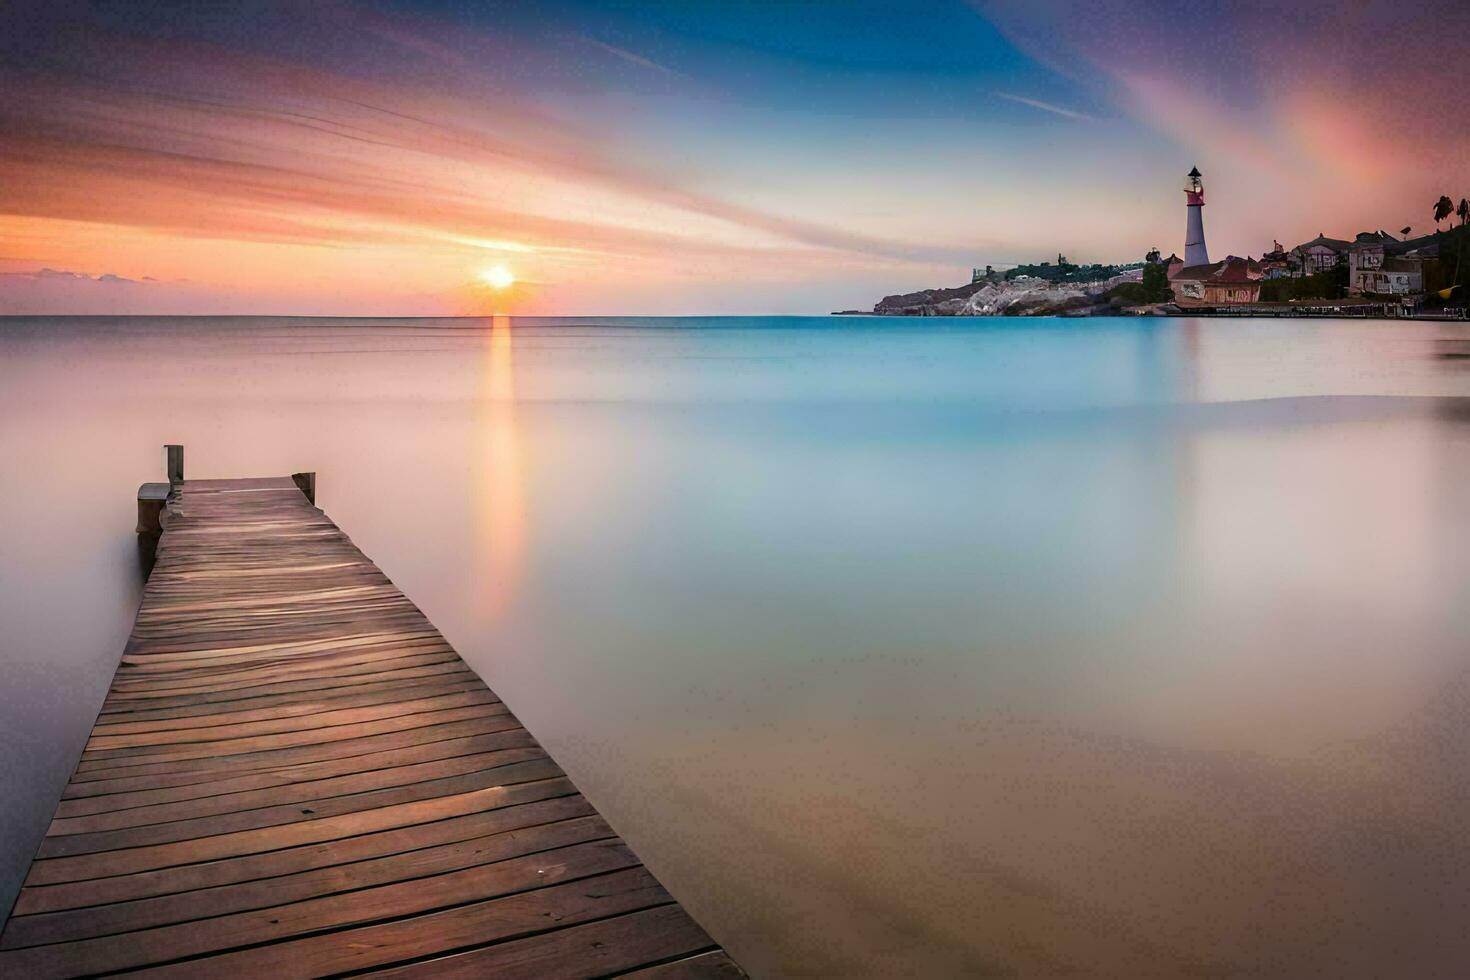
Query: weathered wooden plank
[
  {"x": 592, "y": 950},
  {"x": 171, "y": 942},
  {"x": 174, "y": 789},
  {"x": 103, "y": 920},
  {"x": 304, "y": 792},
  {"x": 309, "y": 811},
  {"x": 407, "y": 939},
  {"x": 440, "y": 661},
  {"x": 224, "y": 727},
  {"x": 284, "y": 662},
  {"x": 284, "y": 705},
  {"x": 406, "y": 656},
  {"x": 104, "y": 760},
  {"x": 255, "y": 761},
  {"x": 713, "y": 965},
  {"x": 296, "y": 721},
  {"x": 524, "y": 804}
]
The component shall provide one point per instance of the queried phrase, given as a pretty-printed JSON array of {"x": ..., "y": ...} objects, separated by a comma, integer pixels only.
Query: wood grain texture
[{"x": 293, "y": 774}]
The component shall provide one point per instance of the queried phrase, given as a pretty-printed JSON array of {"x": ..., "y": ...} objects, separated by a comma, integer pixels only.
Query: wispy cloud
[
  {"x": 1048, "y": 107},
  {"x": 632, "y": 58},
  {"x": 269, "y": 149}
]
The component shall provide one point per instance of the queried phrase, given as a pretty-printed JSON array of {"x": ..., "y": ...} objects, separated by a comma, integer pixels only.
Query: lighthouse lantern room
[{"x": 1195, "y": 252}]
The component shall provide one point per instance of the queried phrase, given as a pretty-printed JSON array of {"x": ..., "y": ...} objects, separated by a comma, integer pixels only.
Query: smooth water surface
[{"x": 892, "y": 646}]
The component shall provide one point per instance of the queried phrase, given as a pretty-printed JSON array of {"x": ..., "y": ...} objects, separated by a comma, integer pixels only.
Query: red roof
[
  {"x": 1235, "y": 270},
  {"x": 1230, "y": 270},
  {"x": 1200, "y": 272}
]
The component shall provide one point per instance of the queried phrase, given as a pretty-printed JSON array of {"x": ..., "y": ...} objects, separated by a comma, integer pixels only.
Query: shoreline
[
  {"x": 1385, "y": 312},
  {"x": 1222, "y": 314}
]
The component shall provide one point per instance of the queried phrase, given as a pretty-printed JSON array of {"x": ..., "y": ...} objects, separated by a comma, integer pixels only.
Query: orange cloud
[{"x": 196, "y": 142}]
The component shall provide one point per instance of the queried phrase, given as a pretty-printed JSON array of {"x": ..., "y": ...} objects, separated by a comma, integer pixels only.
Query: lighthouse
[{"x": 1195, "y": 252}]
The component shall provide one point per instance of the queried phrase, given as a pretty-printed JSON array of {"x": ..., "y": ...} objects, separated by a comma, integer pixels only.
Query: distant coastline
[
  {"x": 1233, "y": 287},
  {"x": 1375, "y": 274},
  {"x": 1090, "y": 300}
]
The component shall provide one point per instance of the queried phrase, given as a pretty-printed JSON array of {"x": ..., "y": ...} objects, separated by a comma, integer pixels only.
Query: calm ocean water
[{"x": 892, "y": 646}]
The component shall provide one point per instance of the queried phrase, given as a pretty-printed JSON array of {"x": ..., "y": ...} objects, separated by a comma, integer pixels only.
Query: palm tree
[
  {"x": 1443, "y": 208},
  {"x": 1463, "y": 211}
]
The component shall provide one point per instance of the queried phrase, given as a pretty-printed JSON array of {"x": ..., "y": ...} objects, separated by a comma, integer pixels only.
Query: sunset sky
[{"x": 327, "y": 156}]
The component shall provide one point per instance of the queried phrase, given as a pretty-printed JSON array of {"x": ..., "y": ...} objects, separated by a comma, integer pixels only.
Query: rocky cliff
[{"x": 1017, "y": 297}]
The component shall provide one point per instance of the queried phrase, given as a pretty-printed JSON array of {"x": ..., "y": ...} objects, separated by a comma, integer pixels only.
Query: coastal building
[
  {"x": 1365, "y": 261},
  {"x": 1379, "y": 264},
  {"x": 1237, "y": 281},
  {"x": 1320, "y": 254},
  {"x": 1231, "y": 280},
  {"x": 1395, "y": 275},
  {"x": 1195, "y": 252},
  {"x": 1402, "y": 275},
  {"x": 1188, "y": 283},
  {"x": 1276, "y": 264}
]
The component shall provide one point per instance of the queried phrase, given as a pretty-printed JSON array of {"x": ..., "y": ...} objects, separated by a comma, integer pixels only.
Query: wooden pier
[{"x": 293, "y": 774}]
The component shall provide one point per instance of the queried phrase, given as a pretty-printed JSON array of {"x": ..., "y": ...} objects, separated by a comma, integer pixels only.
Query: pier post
[
  {"x": 152, "y": 507},
  {"x": 175, "y": 465},
  {"x": 306, "y": 482},
  {"x": 152, "y": 498}
]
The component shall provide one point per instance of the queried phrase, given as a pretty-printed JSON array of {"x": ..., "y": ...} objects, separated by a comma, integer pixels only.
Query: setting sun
[{"x": 498, "y": 277}]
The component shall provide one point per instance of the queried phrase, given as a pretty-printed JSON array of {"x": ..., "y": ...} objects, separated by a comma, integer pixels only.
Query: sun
[{"x": 498, "y": 277}]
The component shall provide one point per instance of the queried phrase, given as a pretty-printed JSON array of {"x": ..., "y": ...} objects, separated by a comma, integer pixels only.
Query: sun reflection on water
[{"x": 499, "y": 477}]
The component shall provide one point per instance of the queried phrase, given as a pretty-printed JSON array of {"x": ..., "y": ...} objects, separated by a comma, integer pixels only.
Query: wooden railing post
[{"x": 175, "y": 465}]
